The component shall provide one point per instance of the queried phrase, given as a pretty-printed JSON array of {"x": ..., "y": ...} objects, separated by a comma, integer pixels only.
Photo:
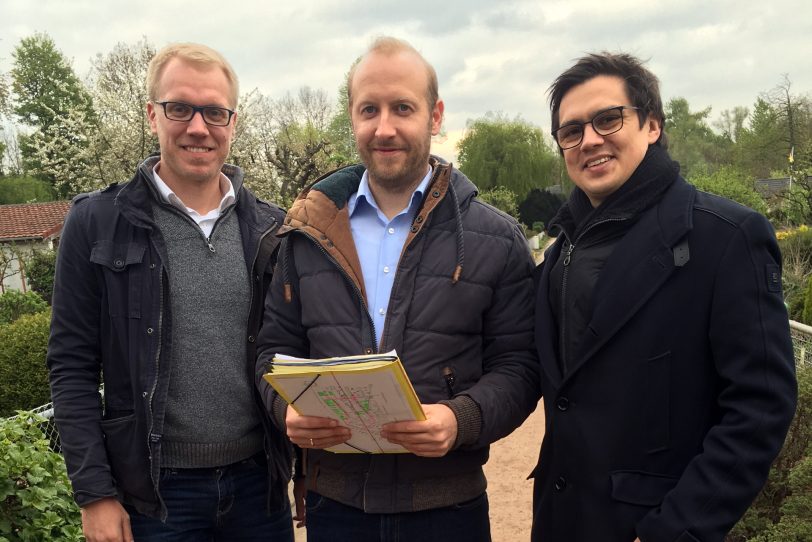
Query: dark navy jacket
[
  {"x": 461, "y": 305},
  {"x": 110, "y": 320}
]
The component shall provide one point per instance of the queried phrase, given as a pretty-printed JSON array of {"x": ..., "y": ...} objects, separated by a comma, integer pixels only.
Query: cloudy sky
[{"x": 490, "y": 56}]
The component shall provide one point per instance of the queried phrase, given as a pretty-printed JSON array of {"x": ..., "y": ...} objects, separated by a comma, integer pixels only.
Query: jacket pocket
[
  {"x": 127, "y": 454},
  {"x": 641, "y": 488},
  {"x": 657, "y": 403},
  {"x": 122, "y": 278}
]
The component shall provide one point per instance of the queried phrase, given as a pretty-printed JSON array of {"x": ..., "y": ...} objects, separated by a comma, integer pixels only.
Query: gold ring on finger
[{"x": 311, "y": 442}]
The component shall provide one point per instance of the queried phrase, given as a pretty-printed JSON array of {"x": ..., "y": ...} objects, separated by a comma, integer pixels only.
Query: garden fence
[{"x": 801, "y": 342}]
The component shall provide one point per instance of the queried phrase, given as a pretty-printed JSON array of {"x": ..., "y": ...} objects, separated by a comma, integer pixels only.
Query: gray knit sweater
[{"x": 210, "y": 418}]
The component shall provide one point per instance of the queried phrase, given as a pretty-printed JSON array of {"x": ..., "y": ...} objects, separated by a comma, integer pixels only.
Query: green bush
[
  {"x": 35, "y": 494},
  {"x": 24, "y": 190},
  {"x": 503, "y": 199},
  {"x": 796, "y": 249},
  {"x": 806, "y": 314},
  {"x": 15, "y": 303},
  {"x": 731, "y": 184},
  {"x": 39, "y": 269},
  {"x": 23, "y": 375},
  {"x": 782, "y": 510}
]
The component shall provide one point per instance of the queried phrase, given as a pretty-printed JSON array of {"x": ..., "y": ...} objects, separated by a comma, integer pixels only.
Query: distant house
[
  {"x": 24, "y": 227},
  {"x": 773, "y": 187}
]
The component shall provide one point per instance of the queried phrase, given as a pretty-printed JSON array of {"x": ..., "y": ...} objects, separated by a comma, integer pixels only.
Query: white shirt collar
[
  {"x": 226, "y": 188},
  {"x": 365, "y": 192}
]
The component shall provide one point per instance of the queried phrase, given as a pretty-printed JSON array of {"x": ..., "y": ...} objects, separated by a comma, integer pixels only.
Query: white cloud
[{"x": 489, "y": 56}]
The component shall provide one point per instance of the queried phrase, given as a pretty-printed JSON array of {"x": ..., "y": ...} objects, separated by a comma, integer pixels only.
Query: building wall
[{"x": 12, "y": 278}]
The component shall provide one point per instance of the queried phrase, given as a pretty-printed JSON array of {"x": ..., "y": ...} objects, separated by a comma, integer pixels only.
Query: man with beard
[
  {"x": 398, "y": 254},
  {"x": 667, "y": 364}
]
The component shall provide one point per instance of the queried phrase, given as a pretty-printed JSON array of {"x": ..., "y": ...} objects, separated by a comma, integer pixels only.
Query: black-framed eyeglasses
[
  {"x": 182, "y": 112},
  {"x": 604, "y": 123}
]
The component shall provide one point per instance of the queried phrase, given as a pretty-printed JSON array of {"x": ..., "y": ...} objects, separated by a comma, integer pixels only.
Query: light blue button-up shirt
[{"x": 379, "y": 242}]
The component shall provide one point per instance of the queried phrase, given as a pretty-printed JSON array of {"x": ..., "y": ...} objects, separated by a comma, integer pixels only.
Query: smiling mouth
[
  {"x": 197, "y": 149},
  {"x": 599, "y": 161}
]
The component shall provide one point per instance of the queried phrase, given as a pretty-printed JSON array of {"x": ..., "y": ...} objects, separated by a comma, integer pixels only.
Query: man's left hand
[{"x": 432, "y": 437}]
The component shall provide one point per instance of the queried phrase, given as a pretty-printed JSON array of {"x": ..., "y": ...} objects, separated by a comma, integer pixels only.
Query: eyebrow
[{"x": 592, "y": 116}]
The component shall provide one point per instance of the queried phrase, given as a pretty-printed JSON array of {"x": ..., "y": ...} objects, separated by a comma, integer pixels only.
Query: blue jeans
[
  {"x": 331, "y": 521},
  {"x": 215, "y": 504}
]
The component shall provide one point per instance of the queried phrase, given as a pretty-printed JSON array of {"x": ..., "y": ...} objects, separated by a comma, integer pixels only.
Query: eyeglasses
[
  {"x": 606, "y": 122},
  {"x": 181, "y": 112}
]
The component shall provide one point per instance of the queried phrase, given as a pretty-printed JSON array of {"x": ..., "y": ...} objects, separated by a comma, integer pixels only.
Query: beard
[{"x": 399, "y": 173}]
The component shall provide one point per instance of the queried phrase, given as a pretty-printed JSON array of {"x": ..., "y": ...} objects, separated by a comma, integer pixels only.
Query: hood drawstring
[
  {"x": 285, "y": 271},
  {"x": 460, "y": 235}
]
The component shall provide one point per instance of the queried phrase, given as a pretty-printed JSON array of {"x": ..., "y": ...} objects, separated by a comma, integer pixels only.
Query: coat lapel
[{"x": 642, "y": 261}]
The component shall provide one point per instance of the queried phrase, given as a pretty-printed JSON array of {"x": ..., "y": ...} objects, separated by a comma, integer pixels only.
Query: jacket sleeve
[
  {"x": 508, "y": 390},
  {"x": 752, "y": 352},
  {"x": 74, "y": 361},
  {"x": 282, "y": 331}
]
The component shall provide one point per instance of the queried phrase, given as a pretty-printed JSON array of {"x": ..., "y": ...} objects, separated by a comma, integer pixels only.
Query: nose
[
  {"x": 591, "y": 138},
  {"x": 197, "y": 125},
  {"x": 385, "y": 126}
]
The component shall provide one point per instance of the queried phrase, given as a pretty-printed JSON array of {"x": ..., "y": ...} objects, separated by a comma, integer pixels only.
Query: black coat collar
[{"x": 642, "y": 261}]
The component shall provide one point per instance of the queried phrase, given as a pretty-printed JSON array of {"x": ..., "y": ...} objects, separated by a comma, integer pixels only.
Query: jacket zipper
[
  {"x": 150, "y": 436},
  {"x": 350, "y": 281},
  {"x": 365, "y": 311},
  {"x": 566, "y": 263}
]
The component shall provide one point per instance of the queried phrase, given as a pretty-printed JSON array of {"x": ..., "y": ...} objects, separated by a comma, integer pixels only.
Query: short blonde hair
[
  {"x": 193, "y": 53},
  {"x": 389, "y": 46}
]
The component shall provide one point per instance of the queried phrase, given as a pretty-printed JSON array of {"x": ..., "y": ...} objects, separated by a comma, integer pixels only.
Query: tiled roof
[{"x": 32, "y": 220}]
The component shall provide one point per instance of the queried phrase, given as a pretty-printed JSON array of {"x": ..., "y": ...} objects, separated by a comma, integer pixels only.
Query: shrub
[
  {"x": 782, "y": 510},
  {"x": 35, "y": 494},
  {"x": 15, "y": 303},
  {"x": 24, "y": 190},
  {"x": 796, "y": 249},
  {"x": 540, "y": 206},
  {"x": 40, "y": 269},
  {"x": 731, "y": 184},
  {"x": 503, "y": 199},
  {"x": 23, "y": 375}
]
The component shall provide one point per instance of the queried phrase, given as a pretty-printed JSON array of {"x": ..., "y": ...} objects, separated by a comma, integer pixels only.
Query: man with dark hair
[
  {"x": 398, "y": 253},
  {"x": 159, "y": 290},
  {"x": 667, "y": 365}
]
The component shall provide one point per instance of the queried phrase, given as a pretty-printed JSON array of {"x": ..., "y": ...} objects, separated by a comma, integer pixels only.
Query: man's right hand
[
  {"x": 313, "y": 431},
  {"x": 106, "y": 520}
]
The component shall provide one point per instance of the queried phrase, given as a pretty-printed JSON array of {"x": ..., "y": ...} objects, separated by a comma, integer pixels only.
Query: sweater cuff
[
  {"x": 279, "y": 411},
  {"x": 469, "y": 419}
]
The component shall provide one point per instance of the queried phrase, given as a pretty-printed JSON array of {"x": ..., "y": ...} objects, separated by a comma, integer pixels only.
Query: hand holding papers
[{"x": 361, "y": 392}]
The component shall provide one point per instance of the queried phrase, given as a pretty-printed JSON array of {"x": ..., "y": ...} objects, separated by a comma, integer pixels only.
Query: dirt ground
[{"x": 509, "y": 492}]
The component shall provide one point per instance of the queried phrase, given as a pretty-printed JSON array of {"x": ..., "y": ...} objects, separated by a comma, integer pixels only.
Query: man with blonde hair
[
  {"x": 398, "y": 253},
  {"x": 159, "y": 291}
]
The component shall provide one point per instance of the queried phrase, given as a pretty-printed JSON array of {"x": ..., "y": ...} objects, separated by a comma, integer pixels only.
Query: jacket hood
[{"x": 320, "y": 211}]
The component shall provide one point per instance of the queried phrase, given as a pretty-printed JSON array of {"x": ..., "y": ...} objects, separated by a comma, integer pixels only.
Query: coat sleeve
[
  {"x": 752, "y": 352},
  {"x": 74, "y": 361},
  {"x": 282, "y": 331},
  {"x": 508, "y": 390}
]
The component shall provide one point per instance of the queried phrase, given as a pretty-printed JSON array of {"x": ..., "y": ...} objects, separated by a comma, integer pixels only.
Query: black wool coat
[{"x": 682, "y": 387}]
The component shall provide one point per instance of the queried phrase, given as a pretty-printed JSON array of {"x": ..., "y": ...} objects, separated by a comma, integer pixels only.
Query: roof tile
[{"x": 32, "y": 220}]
